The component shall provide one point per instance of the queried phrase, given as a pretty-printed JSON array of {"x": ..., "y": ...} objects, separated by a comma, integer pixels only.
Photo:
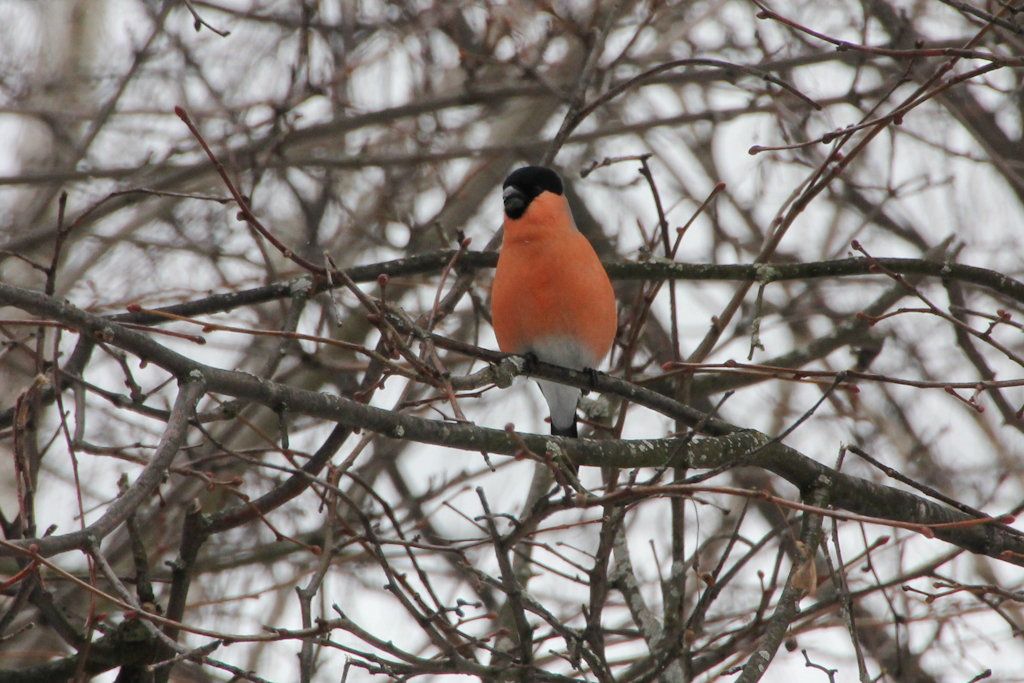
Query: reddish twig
[{"x": 244, "y": 211}]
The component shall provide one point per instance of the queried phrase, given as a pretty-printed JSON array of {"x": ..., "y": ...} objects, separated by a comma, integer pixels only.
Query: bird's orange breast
[{"x": 549, "y": 283}]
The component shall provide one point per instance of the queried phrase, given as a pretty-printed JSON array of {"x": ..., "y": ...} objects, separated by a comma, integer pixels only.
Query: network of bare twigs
[{"x": 253, "y": 425}]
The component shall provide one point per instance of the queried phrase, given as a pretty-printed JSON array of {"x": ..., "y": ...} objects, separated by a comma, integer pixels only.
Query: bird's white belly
[{"x": 565, "y": 351}]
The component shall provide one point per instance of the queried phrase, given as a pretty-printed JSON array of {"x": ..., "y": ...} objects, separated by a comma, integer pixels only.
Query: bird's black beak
[{"x": 515, "y": 201}]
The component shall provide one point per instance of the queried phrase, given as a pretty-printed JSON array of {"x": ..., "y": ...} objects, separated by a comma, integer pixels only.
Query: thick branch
[
  {"x": 619, "y": 270},
  {"x": 735, "y": 447}
]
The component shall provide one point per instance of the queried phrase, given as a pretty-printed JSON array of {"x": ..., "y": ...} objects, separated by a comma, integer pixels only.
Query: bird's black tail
[{"x": 570, "y": 431}]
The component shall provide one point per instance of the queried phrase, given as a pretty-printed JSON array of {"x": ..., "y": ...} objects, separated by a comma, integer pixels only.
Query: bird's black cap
[
  {"x": 532, "y": 180},
  {"x": 523, "y": 184}
]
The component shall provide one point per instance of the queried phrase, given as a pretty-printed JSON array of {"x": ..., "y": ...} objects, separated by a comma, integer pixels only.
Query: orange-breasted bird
[{"x": 551, "y": 296}]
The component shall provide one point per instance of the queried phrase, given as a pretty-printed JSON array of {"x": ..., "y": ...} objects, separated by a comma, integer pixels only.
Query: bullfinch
[{"x": 551, "y": 297}]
